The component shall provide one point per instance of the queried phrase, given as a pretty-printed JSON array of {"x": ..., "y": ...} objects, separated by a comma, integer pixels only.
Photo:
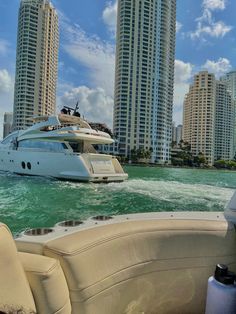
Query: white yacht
[{"x": 60, "y": 147}]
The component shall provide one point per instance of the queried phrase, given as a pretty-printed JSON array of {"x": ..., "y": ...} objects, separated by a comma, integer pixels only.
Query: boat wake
[
  {"x": 34, "y": 201},
  {"x": 199, "y": 196}
]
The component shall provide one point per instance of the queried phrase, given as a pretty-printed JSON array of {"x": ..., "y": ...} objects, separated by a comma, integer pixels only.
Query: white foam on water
[{"x": 173, "y": 191}]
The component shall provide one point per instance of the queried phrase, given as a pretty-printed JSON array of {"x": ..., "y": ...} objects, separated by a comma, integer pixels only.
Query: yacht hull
[{"x": 67, "y": 166}]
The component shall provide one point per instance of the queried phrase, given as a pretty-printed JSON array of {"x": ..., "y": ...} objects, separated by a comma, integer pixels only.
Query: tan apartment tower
[
  {"x": 144, "y": 78},
  {"x": 199, "y": 116},
  {"x": 209, "y": 118},
  {"x": 36, "y": 61}
]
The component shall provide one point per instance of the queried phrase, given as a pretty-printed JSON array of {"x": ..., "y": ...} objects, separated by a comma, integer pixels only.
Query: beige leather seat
[
  {"x": 156, "y": 266},
  {"x": 21, "y": 273},
  {"x": 15, "y": 291},
  {"x": 47, "y": 282}
]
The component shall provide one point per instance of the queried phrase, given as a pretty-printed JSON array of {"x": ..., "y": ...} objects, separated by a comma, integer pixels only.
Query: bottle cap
[{"x": 224, "y": 276}]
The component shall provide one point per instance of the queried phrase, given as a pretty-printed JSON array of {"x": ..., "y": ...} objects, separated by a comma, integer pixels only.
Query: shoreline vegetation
[
  {"x": 181, "y": 157},
  {"x": 147, "y": 164}
]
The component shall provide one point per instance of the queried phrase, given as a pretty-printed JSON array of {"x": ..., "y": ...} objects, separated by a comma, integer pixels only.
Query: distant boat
[{"x": 60, "y": 147}]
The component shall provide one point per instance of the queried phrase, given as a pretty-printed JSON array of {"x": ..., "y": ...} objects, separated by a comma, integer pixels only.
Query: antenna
[
  {"x": 67, "y": 110},
  {"x": 77, "y": 106}
]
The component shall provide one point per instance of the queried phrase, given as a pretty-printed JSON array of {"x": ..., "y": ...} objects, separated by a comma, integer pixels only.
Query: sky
[{"x": 205, "y": 40}]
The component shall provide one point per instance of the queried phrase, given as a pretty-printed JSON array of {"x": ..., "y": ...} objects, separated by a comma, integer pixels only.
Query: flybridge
[
  {"x": 64, "y": 127},
  {"x": 60, "y": 119}
]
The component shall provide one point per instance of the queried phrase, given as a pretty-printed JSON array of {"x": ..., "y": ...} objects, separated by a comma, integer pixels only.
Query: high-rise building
[
  {"x": 199, "y": 116},
  {"x": 224, "y": 123},
  {"x": 179, "y": 133},
  {"x": 36, "y": 61},
  {"x": 230, "y": 80},
  {"x": 209, "y": 118},
  {"x": 144, "y": 79},
  {"x": 7, "y": 123}
]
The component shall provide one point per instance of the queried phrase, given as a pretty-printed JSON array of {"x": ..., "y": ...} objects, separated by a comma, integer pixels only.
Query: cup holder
[
  {"x": 102, "y": 218},
  {"x": 70, "y": 223},
  {"x": 38, "y": 231}
]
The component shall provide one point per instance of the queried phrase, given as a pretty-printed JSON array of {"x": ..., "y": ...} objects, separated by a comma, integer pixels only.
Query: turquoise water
[{"x": 40, "y": 202}]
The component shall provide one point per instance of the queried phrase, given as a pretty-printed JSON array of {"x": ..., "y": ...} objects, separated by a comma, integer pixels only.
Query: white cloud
[
  {"x": 178, "y": 26},
  {"x": 206, "y": 25},
  {"x": 214, "y": 4},
  {"x": 183, "y": 71},
  {"x": 96, "y": 55},
  {"x": 6, "y": 82},
  {"x": 218, "y": 29},
  {"x": 219, "y": 67},
  {"x": 109, "y": 15},
  {"x": 183, "y": 74},
  {"x": 94, "y": 103}
]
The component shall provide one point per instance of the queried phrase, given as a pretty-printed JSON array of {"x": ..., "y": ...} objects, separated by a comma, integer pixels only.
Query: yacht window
[
  {"x": 78, "y": 147},
  {"x": 9, "y": 138},
  {"x": 43, "y": 145},
  {"x": 89, "y": 148}
]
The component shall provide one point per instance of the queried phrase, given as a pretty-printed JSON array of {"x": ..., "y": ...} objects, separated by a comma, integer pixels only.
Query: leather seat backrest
[
  {"x": 157, "y": 266},
  {"x": 15, "y": 293},
  {"x": 48, "y": 284}
]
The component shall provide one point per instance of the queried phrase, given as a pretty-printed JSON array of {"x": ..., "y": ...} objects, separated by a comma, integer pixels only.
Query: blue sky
[{"x": 205, "y": 39}]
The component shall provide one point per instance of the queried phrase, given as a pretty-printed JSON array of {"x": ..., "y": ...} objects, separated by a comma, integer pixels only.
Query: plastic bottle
[{"x": 221, "y": 292}]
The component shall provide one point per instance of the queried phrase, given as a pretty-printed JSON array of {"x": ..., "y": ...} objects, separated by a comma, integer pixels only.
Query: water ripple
[{"x": 37, "y": 202}]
